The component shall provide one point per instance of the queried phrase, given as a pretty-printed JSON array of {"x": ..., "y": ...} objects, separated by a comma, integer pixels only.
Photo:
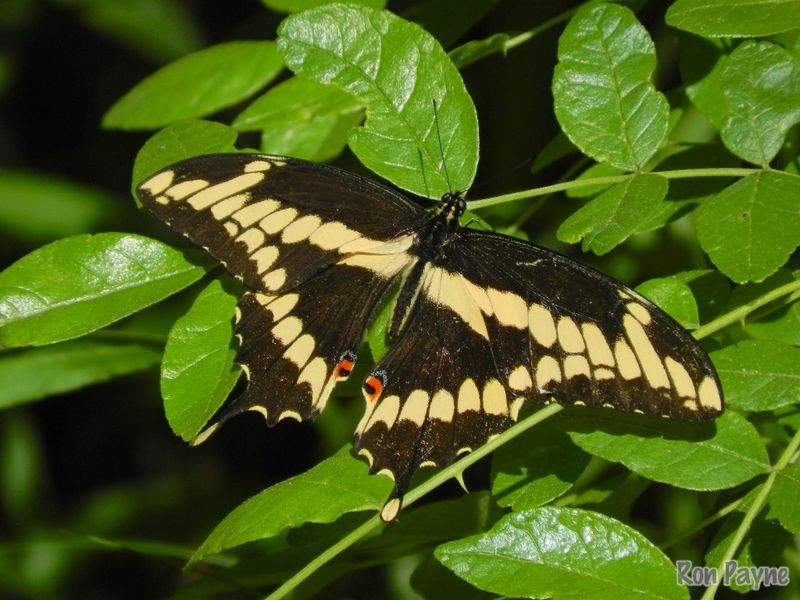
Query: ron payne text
[{"x": 731, "y": 574}]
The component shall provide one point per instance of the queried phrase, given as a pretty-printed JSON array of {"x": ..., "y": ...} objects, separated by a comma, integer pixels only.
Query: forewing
[{"x": 276, "y": 221}]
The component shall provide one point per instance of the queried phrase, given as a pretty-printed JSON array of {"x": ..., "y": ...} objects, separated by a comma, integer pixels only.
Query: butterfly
[{"x": 482, "y": 323}]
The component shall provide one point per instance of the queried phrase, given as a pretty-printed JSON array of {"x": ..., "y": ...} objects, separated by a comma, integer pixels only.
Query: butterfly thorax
[{"x": 440, "y": 228}]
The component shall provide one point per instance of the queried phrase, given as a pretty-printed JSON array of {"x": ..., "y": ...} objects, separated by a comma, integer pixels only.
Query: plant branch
[
  {"x": 418, "y": 492},
  {"x": 755, "y": 508},
  {"x": 608, "y": 180}
]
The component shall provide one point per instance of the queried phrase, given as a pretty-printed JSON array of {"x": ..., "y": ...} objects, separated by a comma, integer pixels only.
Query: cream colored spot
[
  {"x": 231, "y": 228},
  {"x": 386, "y": 412},
  {"x": 366, "y": 454},
  {"x": 569, "y": 336},
  {"x": 275, "y": 279},
  {"x": 228, "y": 206},
  {"x": 163, "y": 200},
  {"x": 575, "y": 365},
  {"x": 264, "y": 299},
  {"x": 282, "y": 305},
  {"x": 391, "y": 509},
  {"x": 360, "y": 244},
  {"x": 463, "y": 450},
  {"x": 626, "y": 360},
  {"x": 547, "y": 370},
  {"x": 427, "y": 463},
  {"x": 516, "y": 406},
  {"x": 332, "y": 235},
  {"x": 383, "y": 265},
  {"x": 260, "y": 410},
  {"x": 480, "y": 296},
  {"x": 278, "y": 220},
  {"x": 690, "y": 404},
  {"x": 520, "y": 379},
  {"x": 264, "y": 258},
  {"x": 287, "y": 330},
  {"x": 624, "y": 295},
  {"x": 597, "y": 346},
  {"x": 300, "y": 229},
  {"x": 257, "y": 165},
  {"x": 708, "y": 394},
  {"x": 468, "y": 396},
  {"x": 509, "y": 308},
  {"x": 448, "y": 289},
  {"x": 300, "y": 351},
  {"x": 416, "y": 407},
  {"x": 186, "y": 188},
  {"x": 680, "y": 378},
  {"x": 215, "y": 193},
  {"x": 603, "y": 373},
  {"x": 255, "y": 212},
  {"x": 290, "y": 414},
  {"x": 442, "y": 406},
  {"x": 314, "y": 375},
  {"x": 278, "y": 163},
  {"x": 494, "y": 398},
  {"x": 648, "y": 357},
  {"x": 639, "y": 312},
  {"x": 156, "y": 185},
  {"x": 542, "y": 325},
  {"x": 252, "y": 238}
]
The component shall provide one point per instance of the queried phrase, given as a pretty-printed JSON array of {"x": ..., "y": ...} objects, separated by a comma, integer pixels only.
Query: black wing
[
  {"x": 498, "y": 322},
  {"x": 318, "y": 245}
]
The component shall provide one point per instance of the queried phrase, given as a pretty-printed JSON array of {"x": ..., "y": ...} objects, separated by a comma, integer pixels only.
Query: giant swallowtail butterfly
[{"x": 482, "y": 323}]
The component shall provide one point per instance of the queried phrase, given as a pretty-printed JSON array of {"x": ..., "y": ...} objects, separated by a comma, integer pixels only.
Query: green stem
[
  {"x": 418, "y": 492},
  {"x": 742, "y": 311},
  {"x": 752, "y": 512},
  {"x": 608, "y": 180}
]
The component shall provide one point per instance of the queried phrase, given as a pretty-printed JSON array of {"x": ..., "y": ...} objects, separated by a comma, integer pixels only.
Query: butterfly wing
[
  {"x": 498, "y": 322},
  {"x": 317, "y": 245}
]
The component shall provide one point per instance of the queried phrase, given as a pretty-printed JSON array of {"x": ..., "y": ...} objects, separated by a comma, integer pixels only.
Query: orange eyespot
[
  {"x": 345, "y": 365},
  {"x": 344, "y": 368},
  {"x": 373, "y": 387}
]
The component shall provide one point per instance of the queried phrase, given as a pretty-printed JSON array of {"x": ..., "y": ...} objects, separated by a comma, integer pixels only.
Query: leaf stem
[
  {"x": 608, "y": 180},
  {"x": 740, "y": 312},
  {"x": 752, "y": 512},
  {"x": 418, "y": 492}
]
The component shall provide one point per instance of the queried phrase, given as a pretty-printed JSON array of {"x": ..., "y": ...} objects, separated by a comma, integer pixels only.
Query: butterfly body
[{"x": 483, "y": 323}]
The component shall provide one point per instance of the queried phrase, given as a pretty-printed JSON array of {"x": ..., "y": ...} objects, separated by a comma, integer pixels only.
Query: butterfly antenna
[{"x": 441, "y": 148}]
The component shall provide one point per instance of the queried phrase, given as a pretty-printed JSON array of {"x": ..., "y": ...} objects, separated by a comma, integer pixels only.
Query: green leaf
[
  {"x": 702, "y": 62},
  {"x": 696, "y": 456},
  {"x": 337, "y": 485},
  {"x": 751, "y": 227},
  {"x": 761, "y": 82},
  {"x": 673, "y": 297},
  {"x": 37, "y": 208},
  {"x": 782, "y": 325},
  {"x": 37, "y": 373},
  {"x": 563, "y": 553},
  {"x": 535, "y": 468},
  {"x": 196, "y": 85},
  {"x": 759, "y": 375},
  {"x": 784, "y": 498},
  {"x": 131, "y": 23},
  {"x": 397, "y": 70},
  {"x": 604, "y": 98},
  {"x": 734, "y": 18},
  {"x": 198, "y": 371},
  {"x": 616, "y": 214},
  {"x": 80, "y": 284},
  {"x": 293, "y": 6},
  {"x": 763, "y": 545},
  {"x": 710, "y": 289},
  {"x": 303, "y": 119},
  {"x": 180, "y": 141}
]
